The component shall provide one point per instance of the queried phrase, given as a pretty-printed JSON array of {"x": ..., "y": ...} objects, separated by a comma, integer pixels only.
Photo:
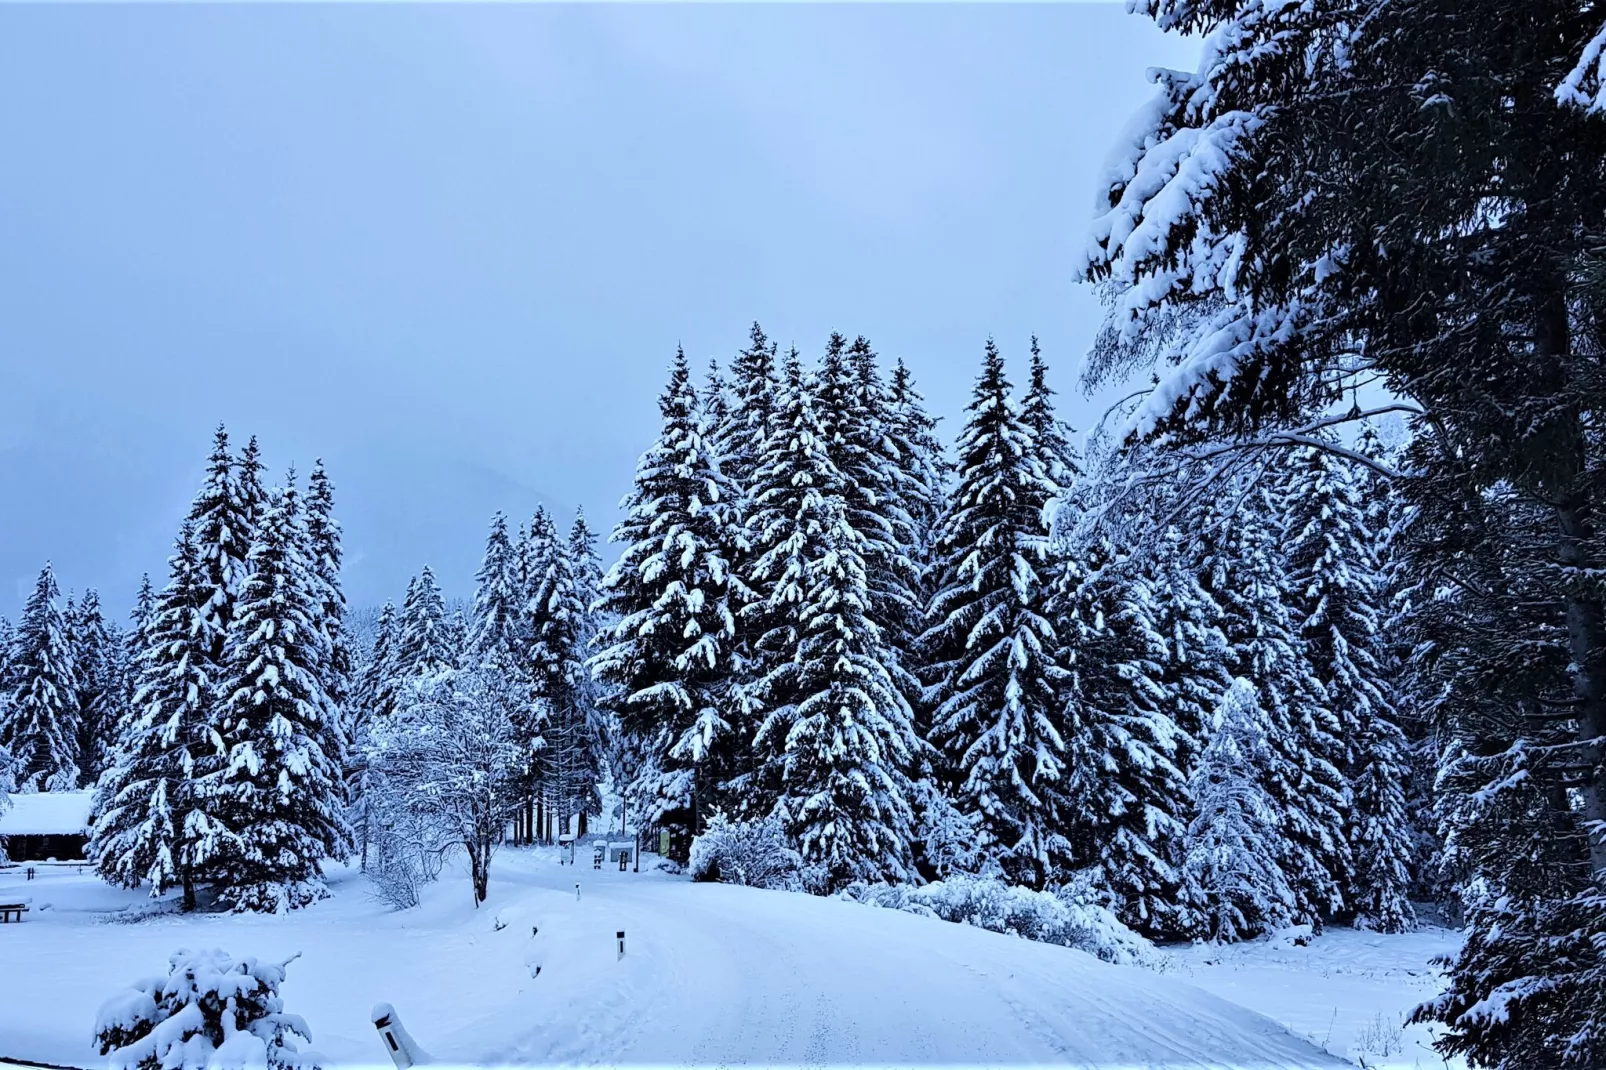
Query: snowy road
[
  {"x": 743, "y": 976},
  {"x": 712, "y": 975}
]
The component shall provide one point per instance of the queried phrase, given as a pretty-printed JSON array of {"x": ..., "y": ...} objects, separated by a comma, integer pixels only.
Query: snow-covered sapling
[{"x": 210, "y": 1010}]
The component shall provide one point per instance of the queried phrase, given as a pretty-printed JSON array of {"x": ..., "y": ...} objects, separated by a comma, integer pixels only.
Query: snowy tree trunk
[
  {"x": 1586, "y": 640},
  {"x": 1586, "y": 625},
  {"x": 479, "y": 862}
]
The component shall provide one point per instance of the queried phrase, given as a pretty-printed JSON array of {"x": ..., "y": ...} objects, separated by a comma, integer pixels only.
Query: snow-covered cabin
[{"x": 48, "y": 825}]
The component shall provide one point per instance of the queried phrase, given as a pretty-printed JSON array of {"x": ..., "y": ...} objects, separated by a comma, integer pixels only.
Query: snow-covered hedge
[
  {"x": 754, "y": 853},
  {"x": 211, "y": 1011},
  {"x": 998, "y": 907}
]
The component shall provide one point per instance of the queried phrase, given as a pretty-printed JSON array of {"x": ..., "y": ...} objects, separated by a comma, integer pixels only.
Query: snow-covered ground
[
  {"x": 1348, "y": 992},
  {"x": 712, "y": 975}
]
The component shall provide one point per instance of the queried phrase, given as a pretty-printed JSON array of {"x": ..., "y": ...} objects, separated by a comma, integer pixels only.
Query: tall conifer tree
[
  {"x": 670, "y": 653},
  {"x": 39, "y": 722},
  {"x": 151, "y": 824},
  {"x": 279, "y": 790},
  {"x": 838, "y": 736},
  {"x": 993, "y": 676}
]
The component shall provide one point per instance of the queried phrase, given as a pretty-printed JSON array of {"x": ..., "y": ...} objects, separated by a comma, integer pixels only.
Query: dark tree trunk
[
  {"x": 1585, "y": 619},
  {"x": 479, "y": 864}
]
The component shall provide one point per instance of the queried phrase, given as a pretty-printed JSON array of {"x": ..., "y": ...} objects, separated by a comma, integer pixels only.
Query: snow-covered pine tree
[
  {"x": 150, "y": 825},
  {"x": 1056, "y": 452},
  {"x": 740, "y": 445},
  {"x": 921, "y": 469},
  {"x": 278, "y": 789},
  {"x": 373, "y": 699},
  {"x": 223, "y": 523},
  {"x": 1381, "y": 836},
  {"x": 587, "y": 565},
  {"x": 1334, "y": 592},
  {"x": 669, "y": 654},
  {"x": 587, "y": 569},
  {"x": 1324, "y": 180},
  {"x": 8, "y": 639},
  {"x": 130, "y": 650},
  {"x": 557, "y": 621},
  {"x": 39, "y": 722},
  {"x": 1403, "y": 591},
  {"x": 422, "y": 644},
  {"x": 753, "y": 387},
  {"x": 786, "y": 488},
  {"x": 134, "y": 638},
  {"x": 1493, "y": 649},
  {"x": 1122, "y": 797},
  {"x": 96, "y": 655},
  {"x": 837, "y": 738},
  {"x": 1243, "y": 568},
  {"x": 541, "y": 652},
  {"x": 496, "y": 630},
  {"x": 1234, "y": 840},
  {"x": 717, "y": 405},
  {"x": 457, "y": 631},
  {"x": 325, "y": 555},
  {"x": 853, "y": 411},
  {"x": 1195, "y": 674},
  {"x": 992, "y": 673},
  {"x": 922, "y": 476},
  {"x": 251, "y": 493},
  {"x": 374, "y": 693}
]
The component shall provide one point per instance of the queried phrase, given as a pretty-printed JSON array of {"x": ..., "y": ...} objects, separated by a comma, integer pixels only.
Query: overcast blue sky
[{"x": 451, "y": 249}]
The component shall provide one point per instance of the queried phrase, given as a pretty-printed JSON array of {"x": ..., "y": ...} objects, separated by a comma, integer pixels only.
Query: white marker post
[
  {"x": 404, "y": 1050},
  {"x": 621, "y": 935},
  {"x": 576, "y": 891}
]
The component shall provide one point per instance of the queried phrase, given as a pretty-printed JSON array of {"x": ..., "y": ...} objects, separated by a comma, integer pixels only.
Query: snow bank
[{"x": 997, "y": 907}]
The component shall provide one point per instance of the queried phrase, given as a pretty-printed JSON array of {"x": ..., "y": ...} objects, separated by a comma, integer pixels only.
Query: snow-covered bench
[{"x": 12, "y": 911}]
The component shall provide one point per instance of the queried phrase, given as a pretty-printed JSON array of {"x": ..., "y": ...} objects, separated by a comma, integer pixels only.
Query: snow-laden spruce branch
[
  {"x": 1585, "y": 85},
  {"x": 1308, "y": 436}
]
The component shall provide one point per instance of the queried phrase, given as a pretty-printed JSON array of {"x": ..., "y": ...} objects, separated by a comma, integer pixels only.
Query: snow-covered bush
[
  {"x": 754, "y": 853},
  {"x": 211, "y": 1010},
  {"x": 991, "y": 904},
  {"x": 400, "y": 867}
]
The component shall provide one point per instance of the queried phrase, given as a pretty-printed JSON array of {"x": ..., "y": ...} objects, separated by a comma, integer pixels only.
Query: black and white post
[
  {"x": 403, "y": 1049},
  {"x": 621, "y": 936}
]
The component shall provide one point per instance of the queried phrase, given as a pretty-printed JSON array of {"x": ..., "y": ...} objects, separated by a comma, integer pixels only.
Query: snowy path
[{"x": 713, "y": 975}]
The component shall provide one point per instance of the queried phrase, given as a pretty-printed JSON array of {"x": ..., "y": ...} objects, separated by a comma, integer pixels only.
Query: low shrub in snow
[
  {"x": 211, "y": 1010},
  {"x": 991, "y": 904},
  {"x": 753, "y": 853}
]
